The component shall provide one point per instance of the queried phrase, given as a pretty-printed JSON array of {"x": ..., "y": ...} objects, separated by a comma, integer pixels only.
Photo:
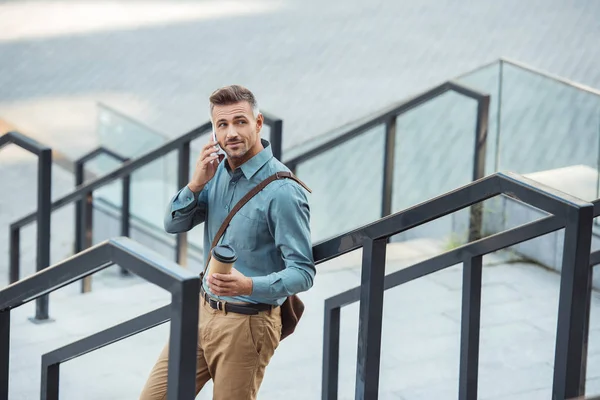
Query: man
[{"x": 271, "y": 236}]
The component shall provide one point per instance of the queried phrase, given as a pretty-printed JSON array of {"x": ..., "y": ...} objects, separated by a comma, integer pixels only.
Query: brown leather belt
[{"x": 246, "y": 309}]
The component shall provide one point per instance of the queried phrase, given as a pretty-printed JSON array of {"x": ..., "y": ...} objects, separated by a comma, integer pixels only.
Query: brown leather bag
[{"x": 293, "y": 308}]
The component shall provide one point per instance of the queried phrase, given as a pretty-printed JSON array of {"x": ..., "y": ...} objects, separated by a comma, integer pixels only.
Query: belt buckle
[{"x": 221, "y": 306}]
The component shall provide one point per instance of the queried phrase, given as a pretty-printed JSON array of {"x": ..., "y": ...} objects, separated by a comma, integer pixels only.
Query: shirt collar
[{"x": 251, "y": 167}]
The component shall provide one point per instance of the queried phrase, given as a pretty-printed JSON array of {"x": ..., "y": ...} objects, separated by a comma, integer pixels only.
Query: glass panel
[
  {"x": 107, "y": 199},
  {"x": 130, "y": 138},
  {"x": 487, "y": 80},
  {"x": 347, "y": 184},
  {"x": 434, "y": 155},
  {"x": 124, "y": 135},
  {"x": 549, "y": 132},
  {"x": 152, "y": 188},
  {"x": 99, "y": 166}
]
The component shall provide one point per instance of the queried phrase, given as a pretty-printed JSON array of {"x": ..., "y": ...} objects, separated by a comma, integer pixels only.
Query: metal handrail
[
  {"x": 42, "y": 215},
  {"x": 388, "y": 117},
  {"x": 147, "y": 228},
  {"x": 183, "y": 284},
  {"x": 575, "y": 215},
  {"x": 180, "y": 144},
  {"x": 568, "y": 212},
  {"x": 384, "y": 116}
]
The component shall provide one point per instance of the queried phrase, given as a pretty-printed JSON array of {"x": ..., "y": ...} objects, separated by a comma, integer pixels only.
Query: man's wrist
[
  {"x": 195, "y": 187},
  {"x": 249, "y": 286}
]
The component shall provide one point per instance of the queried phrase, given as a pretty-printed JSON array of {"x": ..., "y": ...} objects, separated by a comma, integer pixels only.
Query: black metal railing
[
  {"x": 594, "y": 261},
  {"x": 139, "y": 225},
  {"x": 183, "y": 284},
  {"x": 42, "y": 215},
  {"x": 181, "y": 144},
  {"x": 570, "y": 213},
  {"x": 84, "y": 209},
  {"x": 388, "y": 118}
]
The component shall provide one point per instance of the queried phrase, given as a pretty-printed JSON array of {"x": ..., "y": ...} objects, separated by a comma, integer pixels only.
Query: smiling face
[{"x": 238, "y": 131}]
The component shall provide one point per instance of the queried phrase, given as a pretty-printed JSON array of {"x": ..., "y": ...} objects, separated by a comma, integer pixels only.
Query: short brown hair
[{"x": 232, "y": 94}]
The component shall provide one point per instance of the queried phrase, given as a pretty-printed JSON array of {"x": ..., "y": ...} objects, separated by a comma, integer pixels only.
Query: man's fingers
[
  {"x": 221, "y": 291},
  {"x": 224, "y": 277},
  {"x": 208, "y": 145},
  {"x": 207, "y": 153},
  {"x": 207, "y": 150},
  {"x": 222, "y": 283},
  {"x": 207, "y": 160}
]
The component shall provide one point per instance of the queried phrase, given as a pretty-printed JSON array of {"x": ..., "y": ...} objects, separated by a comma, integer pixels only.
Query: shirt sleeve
[
  {"x": 186, "y": 210},
  {"x": 289, "y": 223}
]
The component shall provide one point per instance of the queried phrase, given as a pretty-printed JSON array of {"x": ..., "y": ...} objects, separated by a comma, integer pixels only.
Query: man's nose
[{"x": 231, "y": 132}]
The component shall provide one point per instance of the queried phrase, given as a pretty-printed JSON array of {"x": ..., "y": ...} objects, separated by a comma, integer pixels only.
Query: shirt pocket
[{"x": 242, "y": 233}]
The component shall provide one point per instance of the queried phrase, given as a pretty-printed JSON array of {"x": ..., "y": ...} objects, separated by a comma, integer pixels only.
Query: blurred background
[{"x": 131, "y": 76}]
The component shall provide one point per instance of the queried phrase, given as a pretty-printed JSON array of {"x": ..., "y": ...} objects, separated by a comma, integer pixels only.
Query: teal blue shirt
[{"x": 271, "y": 233}]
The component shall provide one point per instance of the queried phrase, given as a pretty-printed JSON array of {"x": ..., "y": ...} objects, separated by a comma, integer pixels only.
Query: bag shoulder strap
[{"x": 246, "y": 198}]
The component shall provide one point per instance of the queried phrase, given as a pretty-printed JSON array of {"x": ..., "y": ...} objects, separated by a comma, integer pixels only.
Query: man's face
[{"x": 238, "y": 132}]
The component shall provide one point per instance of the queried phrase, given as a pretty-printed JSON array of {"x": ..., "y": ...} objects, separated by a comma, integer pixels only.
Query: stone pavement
[
  {"x": 316, "y": 64},
  {"x": 420, "y": 349}
]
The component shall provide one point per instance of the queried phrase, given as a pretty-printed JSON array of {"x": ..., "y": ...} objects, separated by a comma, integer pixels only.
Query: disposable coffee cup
[{"x": 222, "y": 259}]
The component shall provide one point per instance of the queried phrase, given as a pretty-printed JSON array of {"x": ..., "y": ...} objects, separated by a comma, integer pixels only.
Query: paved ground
[
  {"x": 317, "y": 65},
  {"x": 420, "y": 339}
]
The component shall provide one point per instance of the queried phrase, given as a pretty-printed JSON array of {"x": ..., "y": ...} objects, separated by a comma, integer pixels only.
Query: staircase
[{"x": 471, "y": 341}]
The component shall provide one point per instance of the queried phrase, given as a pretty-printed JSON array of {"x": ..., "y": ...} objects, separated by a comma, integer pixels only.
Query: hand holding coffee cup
[{"x": 222, "y": 259}]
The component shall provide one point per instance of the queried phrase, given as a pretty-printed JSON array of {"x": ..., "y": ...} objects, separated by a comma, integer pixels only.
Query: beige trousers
[{"x": 233, "y": 351}]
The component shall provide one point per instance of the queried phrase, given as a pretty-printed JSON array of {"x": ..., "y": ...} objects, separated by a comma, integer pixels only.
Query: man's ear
[{"x": 259, "y": 122}]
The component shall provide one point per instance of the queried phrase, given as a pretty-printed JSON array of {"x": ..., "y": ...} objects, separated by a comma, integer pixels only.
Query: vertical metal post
[
  {"x": 87, "y": 234},
  {"x": 43, "y": 224},
  {"x": 572, "y": 304},
  {"x": 15, "y": 253},
  {"x": 586, "y": 333},
  {"x": 331, "y": 353},
  {"x": 481, "y": 131},
  {"x": 276, "y": 138},
  {"x": 183, "y": 178},
  {"x": 50, "y": 380},
  {"x": 470, "y": 328},
  {"x": 388, "y": 166},
  {"x": 370, "y": 319},
  {"x": 4, "y": 352},
  {"x": 125, "y": 212},
  {"x": 78, "y": 208},
  {"x": 181, "y": 380}
]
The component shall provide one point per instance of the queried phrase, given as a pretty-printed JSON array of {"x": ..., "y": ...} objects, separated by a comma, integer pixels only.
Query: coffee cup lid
[{"x": 224, "y": 253}]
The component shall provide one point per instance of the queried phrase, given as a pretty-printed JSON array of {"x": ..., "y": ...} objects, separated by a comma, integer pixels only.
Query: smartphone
[{"x": 214, "y": 138}]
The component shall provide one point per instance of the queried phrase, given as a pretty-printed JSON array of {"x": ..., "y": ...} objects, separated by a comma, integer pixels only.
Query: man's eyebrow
[{"x": 234, "y": 118}]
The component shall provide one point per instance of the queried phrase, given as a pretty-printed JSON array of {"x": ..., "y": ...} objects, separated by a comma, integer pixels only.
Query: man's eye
[
  {"x": 222, "y": 125},
  {"x": 241, "y": 122}
]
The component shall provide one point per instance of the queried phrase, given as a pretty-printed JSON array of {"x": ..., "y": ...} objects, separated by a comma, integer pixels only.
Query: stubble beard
[{"x": 239, "y": 154}]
